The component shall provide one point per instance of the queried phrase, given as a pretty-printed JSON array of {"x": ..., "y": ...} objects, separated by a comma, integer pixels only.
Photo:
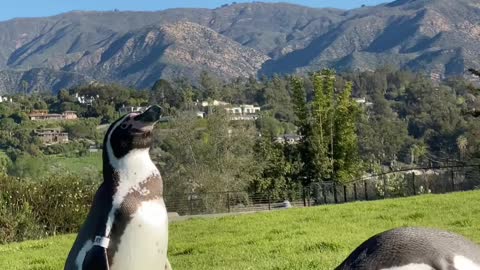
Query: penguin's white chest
[{"x": 144, "y": 242}]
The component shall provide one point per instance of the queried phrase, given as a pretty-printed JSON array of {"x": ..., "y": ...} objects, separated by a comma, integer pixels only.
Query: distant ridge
[{"x": 437, "y": 37}]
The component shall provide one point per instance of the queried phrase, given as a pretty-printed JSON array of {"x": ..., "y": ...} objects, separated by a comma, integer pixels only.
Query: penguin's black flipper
[{"x": 96, "y": 259}]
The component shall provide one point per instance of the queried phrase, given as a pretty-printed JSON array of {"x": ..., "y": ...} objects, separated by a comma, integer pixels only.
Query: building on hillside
[
  {"x": 86, "y": 100},
  {"x": 213, "y": 103},
  {"x": 44, "y": 115},
  {"x": 49, "y": 136},
  {"x": 288, "y": 139},
  {"x": 130, "y": 109},
  {"x": 5, "y": 99},
  {"x": 245, "y": 112},
  {"x": 69, "y": 115},
  {"x": 363, "y": 101}
]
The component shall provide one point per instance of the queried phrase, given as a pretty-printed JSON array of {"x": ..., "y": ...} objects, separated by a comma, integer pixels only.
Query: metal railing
[{"x": 399, "y": 183}]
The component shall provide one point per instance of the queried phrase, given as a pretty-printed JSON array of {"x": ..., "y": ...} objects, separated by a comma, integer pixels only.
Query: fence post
[
  {"x": 366, "y": 190},
  {"x": 269, "y": 202},
  {"x": 191, "y": 203},
  {"x": 309, "y": 196},
  {"x": 323, "y": 193},
  {"x": 335, "y": 192},
  {"x": 345, "y": 193},
  {"x": 413, "y": 184},
  {"x": 452, "y": 179},
  {"x": 228, "y": 201},
  {"x": 304, "y": 196},
  {"x": 385, "y": 187},
  {"x": 355, "y": 191}
]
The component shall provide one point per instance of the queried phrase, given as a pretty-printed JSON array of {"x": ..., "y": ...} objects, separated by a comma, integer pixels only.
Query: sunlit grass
[
  {"x": 313, "y": 238},
  {"x": 90, "y": 163}
]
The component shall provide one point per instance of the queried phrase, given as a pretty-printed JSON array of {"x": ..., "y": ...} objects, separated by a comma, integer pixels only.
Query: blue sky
[{"x": 39, "y": 8}]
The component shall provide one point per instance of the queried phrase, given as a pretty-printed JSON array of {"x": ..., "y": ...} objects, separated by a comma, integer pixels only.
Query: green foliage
[
  {"x": 18, "y": 224},
  {"x": 273, "y": 179},
  {"x": 27, "y": 166},
  {"x": 329, "y": 149},
  {"x": 322, "y": 121},
  {"x": 346, "y": 158},
  {"x": 5, "y": 163},
  {"x": 215, "y": 158},
  {"x": 50, "y": 205},
  {"x": 266, "y": 124},
  {"x": 83, "y": 128},
  {"x": 164, "y": 93},
  {"x": 407, "y": 120}
]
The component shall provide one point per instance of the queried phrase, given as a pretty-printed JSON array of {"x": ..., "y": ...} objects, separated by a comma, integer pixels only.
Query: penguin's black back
[{"x": 406, "y": 246}]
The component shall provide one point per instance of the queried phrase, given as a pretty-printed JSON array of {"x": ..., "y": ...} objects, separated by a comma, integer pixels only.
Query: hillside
[
  {"x": 438, "y": 37},
  {"x": 309, "y": 238}
]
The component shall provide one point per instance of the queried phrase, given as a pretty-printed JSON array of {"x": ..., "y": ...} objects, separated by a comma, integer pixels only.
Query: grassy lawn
[
  {"x": 313, "y": 238},
  {"x": 91, "y": 162}
]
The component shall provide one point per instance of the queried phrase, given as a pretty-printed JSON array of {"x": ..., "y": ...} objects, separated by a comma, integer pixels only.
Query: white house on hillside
[
  {"x": 85, "y": 99},
  {"x": 5, "y": 99},
  {"x": 243, "y": 112}
]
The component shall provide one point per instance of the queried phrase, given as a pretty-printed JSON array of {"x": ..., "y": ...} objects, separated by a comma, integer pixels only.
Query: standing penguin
[{"x": 127, "y": 226}]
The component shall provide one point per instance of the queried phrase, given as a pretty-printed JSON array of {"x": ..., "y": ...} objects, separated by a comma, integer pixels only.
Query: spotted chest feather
[{"x": 149, "y": 190}]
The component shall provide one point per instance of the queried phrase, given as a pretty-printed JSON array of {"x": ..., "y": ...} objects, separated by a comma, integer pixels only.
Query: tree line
[{"x": 350, "y": 124}]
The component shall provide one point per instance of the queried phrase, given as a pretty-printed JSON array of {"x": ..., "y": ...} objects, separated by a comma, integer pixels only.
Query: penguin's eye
[{"x": 124, "y": 126}]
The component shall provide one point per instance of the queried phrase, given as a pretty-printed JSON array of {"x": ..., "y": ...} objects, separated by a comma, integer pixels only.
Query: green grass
[
  {"x": 313, "y": 238},
  {"x": 91, "y": 162}
]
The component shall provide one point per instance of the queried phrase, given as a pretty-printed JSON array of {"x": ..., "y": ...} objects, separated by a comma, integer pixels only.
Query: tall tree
[
  {"x": 307, "y": 172},
  {"x": 329, "y": 146},
  {"x": 345, "y": 148},
  {"x": 323, "y": 124}
]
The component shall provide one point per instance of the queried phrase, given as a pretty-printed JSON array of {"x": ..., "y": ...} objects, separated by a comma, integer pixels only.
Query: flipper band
[{"x": 101, "y": 241}]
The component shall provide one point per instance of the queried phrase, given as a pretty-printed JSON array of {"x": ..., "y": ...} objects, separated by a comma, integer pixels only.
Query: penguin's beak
[
  {"x": 151, "y": 115},
  {"x": 145, "y": 121}
]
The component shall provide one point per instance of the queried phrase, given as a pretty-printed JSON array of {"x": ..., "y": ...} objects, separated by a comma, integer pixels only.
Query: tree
[
  {"x": 64, "y": 96},
  {"x": 210, "y": 86},
  {"x": 321, "y": 137},
  {"x": 347, "y": 164},
  {"x": 274, "y": 168},
  {"x": 329, "y": 146},
  {"x": 215, "y": 157},
  {"x": 164, "y": 93},
  {"x": 25, "y": 85},
  {"x": 307, "y": 172},
  {"x": 418, "y": 152},
  {"x": 462, "y": 143},
  {"x": 5, "y": 163}
]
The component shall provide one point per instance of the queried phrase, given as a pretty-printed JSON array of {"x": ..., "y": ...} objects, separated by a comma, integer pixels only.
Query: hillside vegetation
[
  {"x": 398, "y": 120},
  {"x": 309, "y": 238}
]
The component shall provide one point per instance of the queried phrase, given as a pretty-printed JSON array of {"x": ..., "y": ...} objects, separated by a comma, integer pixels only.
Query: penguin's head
[{"x": 131, "y": 132}]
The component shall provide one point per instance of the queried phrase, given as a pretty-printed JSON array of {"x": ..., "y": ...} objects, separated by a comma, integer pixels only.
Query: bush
[
  {"x": 30, "y": 210},
  {"x": 396, "y": 185},
  {"x": 27, "y": 166},
  {"x": 18, "y": 225}
]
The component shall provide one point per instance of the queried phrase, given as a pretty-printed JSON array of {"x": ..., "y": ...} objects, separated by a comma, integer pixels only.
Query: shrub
[
  {"x": 51, "y": 205},
  {"x": 18, "y": 225}
]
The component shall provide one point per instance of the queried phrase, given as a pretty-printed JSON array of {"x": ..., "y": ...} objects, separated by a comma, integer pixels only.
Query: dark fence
[{"x": 400, "y": 183}]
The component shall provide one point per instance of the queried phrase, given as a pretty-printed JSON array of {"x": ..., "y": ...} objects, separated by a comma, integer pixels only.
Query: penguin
[
  {"x": 127, "y": 226},
  {"x": 412, "y": 248}
]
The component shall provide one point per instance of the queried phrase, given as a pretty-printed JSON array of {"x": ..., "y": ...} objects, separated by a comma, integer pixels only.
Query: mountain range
[{"x": 437, "y": 37}]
